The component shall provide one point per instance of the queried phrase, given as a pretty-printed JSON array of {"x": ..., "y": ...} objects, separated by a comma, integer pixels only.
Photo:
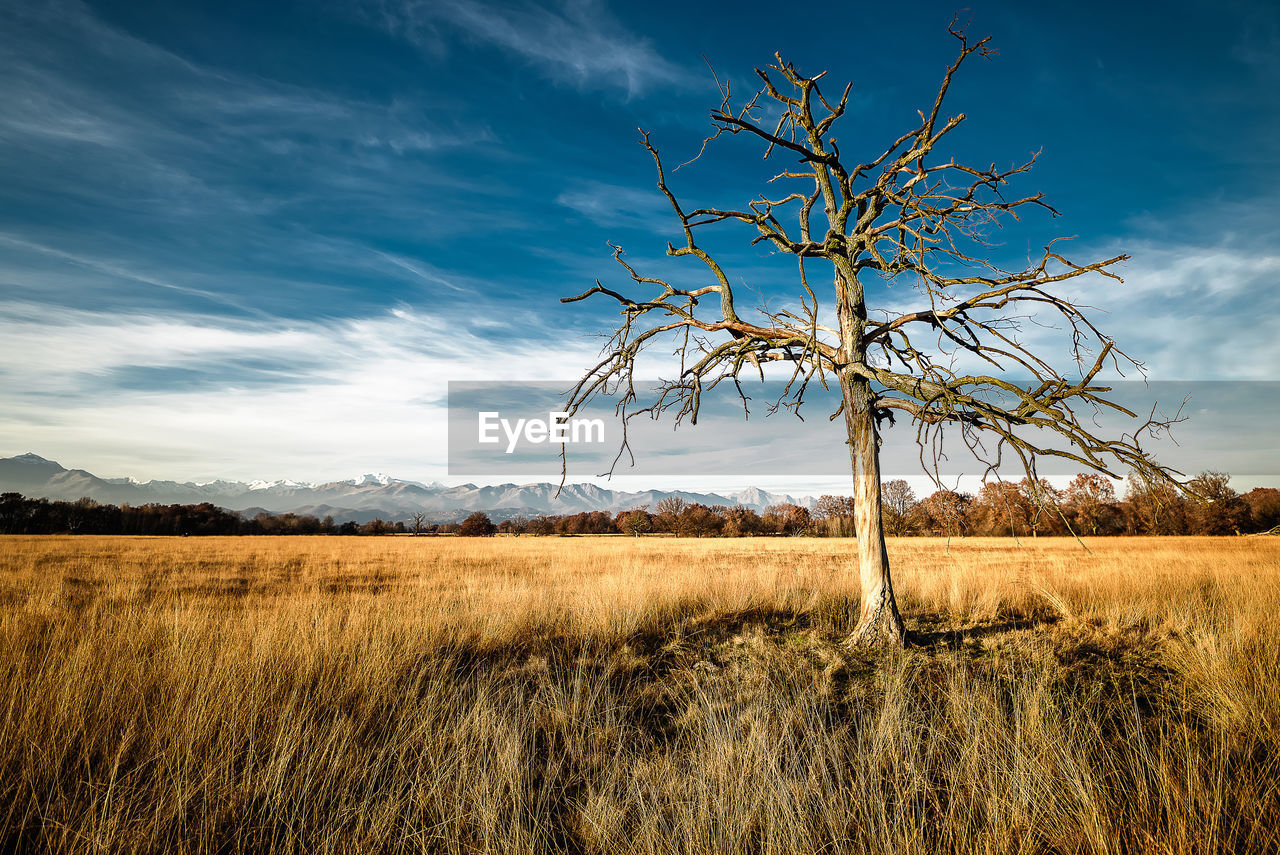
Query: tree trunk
[{"x": 879, "y": 624}]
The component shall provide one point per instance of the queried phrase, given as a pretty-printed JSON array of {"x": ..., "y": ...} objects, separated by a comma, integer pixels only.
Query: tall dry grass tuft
[{"x": 616, "y": 695}]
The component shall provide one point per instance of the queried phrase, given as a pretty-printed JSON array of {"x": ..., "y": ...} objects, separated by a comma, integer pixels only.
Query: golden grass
[{"x": 635, "y": 696}]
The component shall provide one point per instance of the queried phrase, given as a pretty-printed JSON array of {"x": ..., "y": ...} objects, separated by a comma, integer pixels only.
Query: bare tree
[
  {"x": 896, "y": 500},
  {"x": 836, "y": 514},
  {"x": 1044, "y": 504},
  {"x": 903, "y": 215},
  {"x": 668, "y": 512},
  {"x": 1155, "y": 506}
]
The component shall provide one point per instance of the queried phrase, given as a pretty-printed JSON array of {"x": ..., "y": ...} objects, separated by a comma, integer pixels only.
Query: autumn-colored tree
[
  {"x": 477, "y": 524},
  {"x": 1264, "y": 507},
  {"x": 586, "y": 522},
  {"x": 741, "y": 521},
  {"x": 1221, "y": 510},
  {"x": 1154, "y": 506},
  {"x": 697, "y": 520},
  {"x": 787, "y": 519},
  {"x": 1001, "y": 509},
  {"x": 635, "y": 522},
  {"x": 945, "y": 513},
  {"x": 540, "y": 526},
  {"x": 1090, "y": 504}
]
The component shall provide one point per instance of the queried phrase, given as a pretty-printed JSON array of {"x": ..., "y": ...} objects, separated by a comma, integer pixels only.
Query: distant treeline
[
  {"x": 1088, "y": 506},
  {"x": 20, "y": 515}
]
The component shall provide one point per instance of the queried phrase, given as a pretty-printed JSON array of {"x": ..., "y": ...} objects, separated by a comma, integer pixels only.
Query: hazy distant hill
[{"x": 360, "y": 499}]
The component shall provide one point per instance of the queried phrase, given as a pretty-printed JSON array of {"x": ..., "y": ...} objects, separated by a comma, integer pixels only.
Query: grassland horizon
[{"x": 621, "y": 695}]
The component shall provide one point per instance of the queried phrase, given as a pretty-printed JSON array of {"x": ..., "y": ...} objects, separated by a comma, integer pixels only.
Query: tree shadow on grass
[
  {"x": 937, "y": 633},
  {"x": 934, "y": 632}
]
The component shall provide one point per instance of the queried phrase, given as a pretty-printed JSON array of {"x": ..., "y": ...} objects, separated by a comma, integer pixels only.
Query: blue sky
[{"x": 258, "y": 239}]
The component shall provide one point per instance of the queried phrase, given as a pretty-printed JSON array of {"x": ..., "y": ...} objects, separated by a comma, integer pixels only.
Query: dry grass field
[{"x": 612, "y": 695}]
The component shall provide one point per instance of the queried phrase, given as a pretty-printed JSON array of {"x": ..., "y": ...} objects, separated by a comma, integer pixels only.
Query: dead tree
[{"x": 905, "y": 215}]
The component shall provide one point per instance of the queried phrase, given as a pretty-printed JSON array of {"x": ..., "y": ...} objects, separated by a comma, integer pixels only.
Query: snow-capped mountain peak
[
  {"x": 34, "y": 460},
  {"x": 271, "y": 485}
]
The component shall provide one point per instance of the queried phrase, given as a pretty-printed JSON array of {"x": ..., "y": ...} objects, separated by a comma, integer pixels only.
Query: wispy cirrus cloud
[
  {"x": 1197, "y": 312},
  {"x": 104, "y": 119},
  {"x": 157, "y": 393},
  {"x": 149, "y": 180},
  {"x": 114, "y": 271},
  {"x": 68, "y": 88},
  {"x": 613, "y": 206},
  {"x": 576, "y": 42}
]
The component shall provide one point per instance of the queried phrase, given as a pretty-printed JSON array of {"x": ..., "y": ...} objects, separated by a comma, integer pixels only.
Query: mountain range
[{"x": 359, "y": 499}]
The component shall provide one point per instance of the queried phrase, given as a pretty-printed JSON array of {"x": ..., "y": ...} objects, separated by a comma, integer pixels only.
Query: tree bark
[{"x": 880, "y": 624}]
